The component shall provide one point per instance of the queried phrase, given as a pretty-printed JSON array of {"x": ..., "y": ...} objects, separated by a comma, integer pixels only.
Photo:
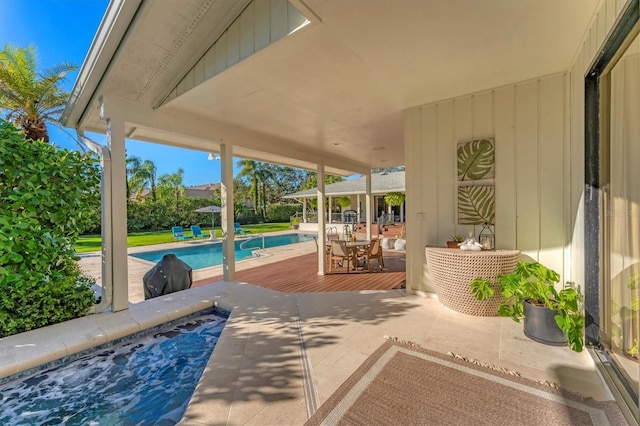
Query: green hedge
[
  {"x": 282, "y": 212},
  {"x": 47, "y": 197},
  {"x": 163, "y": 214}
]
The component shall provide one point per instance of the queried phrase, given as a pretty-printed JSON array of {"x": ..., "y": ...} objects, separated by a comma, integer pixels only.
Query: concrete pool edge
[
  {"x": 205, "y": 254},
  {"x": 25, "y": 351},
  {"x": 232, "y": 356}
]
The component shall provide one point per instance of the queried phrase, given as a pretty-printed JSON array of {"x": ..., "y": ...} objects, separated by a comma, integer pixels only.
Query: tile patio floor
[{"x": 256, "y": 374}]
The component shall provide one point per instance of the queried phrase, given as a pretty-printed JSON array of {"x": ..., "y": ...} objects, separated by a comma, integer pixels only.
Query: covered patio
[{"x": 344, "y": 87}]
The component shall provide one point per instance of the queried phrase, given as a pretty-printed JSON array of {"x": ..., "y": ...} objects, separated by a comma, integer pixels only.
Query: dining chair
[
  {"x": 327, "y": 252},
  {"x": 374, "y": 251},
  {"x": 340, "y": 253},
  {"x": 332, "y": 233}
]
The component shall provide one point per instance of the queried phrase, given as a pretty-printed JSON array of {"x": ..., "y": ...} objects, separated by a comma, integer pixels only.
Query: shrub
[
  {"x": 282, "y": 212},
  {"x": 47, "y": 196},
  {"x": 162, "y": 214}
]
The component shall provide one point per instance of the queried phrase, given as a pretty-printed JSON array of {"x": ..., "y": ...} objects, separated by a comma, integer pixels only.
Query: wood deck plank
[{"x": 299, "y": 275}]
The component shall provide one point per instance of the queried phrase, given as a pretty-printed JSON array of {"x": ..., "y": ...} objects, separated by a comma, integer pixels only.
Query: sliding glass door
[{"x": 621, "y": 210}]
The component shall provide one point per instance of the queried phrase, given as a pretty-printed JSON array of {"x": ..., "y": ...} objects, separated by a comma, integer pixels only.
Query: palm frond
[
  {"x": 476, "y": 159},
  {"x": 476, "y": 205}
]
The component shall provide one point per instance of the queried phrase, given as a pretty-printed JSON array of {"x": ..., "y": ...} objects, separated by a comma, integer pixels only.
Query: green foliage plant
[
  {"x": 46, "y": 196},
  {"x": 282, "y": 212},
  {"x": 456, "y": 238},
  {"x": 394, "y": 198},
  {"x": 344, "y": 201},
  {"x": 535, "y": 283}
]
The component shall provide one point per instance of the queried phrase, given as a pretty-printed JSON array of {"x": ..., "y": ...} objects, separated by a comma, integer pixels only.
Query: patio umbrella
[{"x": 210, "y": 209}]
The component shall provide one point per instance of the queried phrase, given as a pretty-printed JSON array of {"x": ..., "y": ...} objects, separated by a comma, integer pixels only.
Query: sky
[{"x": 62, "y": 31}]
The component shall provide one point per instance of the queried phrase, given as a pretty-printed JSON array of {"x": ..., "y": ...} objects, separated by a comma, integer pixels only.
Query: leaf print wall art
[
  {"x": 476, "y": 160},
  {"x": 476, "y": 204}
]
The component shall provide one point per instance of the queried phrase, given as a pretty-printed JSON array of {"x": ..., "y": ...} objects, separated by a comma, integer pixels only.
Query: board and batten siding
[
  {"x": 594, "y": 38},
  {"x": 538, "y": 127},
  {"x": 528, "y": 122}
]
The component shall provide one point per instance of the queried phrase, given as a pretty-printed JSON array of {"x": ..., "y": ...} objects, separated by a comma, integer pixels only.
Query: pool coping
[
  {"x": 29, "y": 350},
  {"x": 133, "y": 252},
  {"x": 25, "y": 351}
]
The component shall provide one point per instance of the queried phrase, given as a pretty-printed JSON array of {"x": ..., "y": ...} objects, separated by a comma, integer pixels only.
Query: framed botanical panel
[
  {"x": 476, "y": 204},
  {"x": 476, "y": 160}
]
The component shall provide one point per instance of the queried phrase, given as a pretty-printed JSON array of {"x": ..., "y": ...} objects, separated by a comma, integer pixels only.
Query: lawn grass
[{"x": 94, "y": 242}]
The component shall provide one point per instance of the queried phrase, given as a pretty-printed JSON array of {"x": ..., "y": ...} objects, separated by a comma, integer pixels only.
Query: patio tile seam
[{"x": 312, "y": 401}]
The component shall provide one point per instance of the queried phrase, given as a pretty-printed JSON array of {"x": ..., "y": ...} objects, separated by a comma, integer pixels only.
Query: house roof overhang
[
  {"x": 330, "y": 92},
  {"x": 381, "y": 183}
]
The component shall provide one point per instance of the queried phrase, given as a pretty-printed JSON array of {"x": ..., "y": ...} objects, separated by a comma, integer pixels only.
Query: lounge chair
[
  {"x": 238, "y": 230},
  {"x": 178, "y": 234},
  {"x": 197, "y": 232}
]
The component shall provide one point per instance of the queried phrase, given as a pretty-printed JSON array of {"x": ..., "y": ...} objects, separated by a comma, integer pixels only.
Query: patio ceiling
[{"x": 333, "y": 91}]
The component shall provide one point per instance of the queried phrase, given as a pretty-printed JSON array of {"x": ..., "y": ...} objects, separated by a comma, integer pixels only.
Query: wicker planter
[
  {"x": 451, "y": 271},
  {"x": 540, "y": 325}
]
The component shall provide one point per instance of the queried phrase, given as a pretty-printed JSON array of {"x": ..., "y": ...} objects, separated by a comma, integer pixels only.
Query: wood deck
[{"x": 299, "y": 275}]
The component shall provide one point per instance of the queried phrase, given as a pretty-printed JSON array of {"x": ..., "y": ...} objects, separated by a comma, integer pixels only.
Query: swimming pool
[
  {"x": 146, "y": 380},
  {"x": 207, "y": 255}
]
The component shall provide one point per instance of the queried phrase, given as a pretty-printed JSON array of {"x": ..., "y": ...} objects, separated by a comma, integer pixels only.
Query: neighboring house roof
[
  {"x": 202, "y": 191},
  {"x": 206, "y": 190},
  {"x": 381, "y": 183}
]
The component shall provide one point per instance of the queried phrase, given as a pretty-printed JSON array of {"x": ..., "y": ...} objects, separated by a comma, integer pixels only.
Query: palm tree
[
  {"x": 264, "y": 176},
  {"x": 149, "y": 172},
  {"x": 29, "y": 98},
  {"x": 133, "y": 165},
  {"x": 143, "y": 176},
  {"x": 173, "y": 183},
  {"x": 250, "y": 170}
]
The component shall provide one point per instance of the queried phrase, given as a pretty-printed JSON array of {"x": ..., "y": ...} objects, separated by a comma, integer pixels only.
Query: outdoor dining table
[{"x": 353, "y": 246}]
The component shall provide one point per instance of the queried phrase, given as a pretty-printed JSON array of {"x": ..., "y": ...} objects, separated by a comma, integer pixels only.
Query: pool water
[
  {"x": 207, "y": 255},
  {"x": 145, "y": 381}
]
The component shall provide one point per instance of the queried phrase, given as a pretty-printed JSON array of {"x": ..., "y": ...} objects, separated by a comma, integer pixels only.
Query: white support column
[
  {"x": 329, "y": 205},
  {"x": 226, "y": 198},
  {"x": 304, "y": 210},
  {"x": 322, "y": 234},
  {"x": 120, "y": 272},
  {"x": 358, "y": 206},
  {"x": 402, "y": 213},
  {"x": 368, "y": 204}
]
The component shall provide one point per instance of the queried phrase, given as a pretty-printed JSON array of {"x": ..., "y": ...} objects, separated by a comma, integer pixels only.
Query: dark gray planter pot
[{"x": 540, "y": 325}]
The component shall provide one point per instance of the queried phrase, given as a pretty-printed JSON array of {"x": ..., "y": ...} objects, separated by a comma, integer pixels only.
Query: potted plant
[
  {"x": 344, "y": 201},
  {"x": 550, "y": 316},
  {"x": 455, "y": 240},
  {"x": 295, "y": 222}
]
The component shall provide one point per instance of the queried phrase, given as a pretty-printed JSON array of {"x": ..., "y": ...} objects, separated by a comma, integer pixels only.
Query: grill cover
[{"x": 169, "y": 275}]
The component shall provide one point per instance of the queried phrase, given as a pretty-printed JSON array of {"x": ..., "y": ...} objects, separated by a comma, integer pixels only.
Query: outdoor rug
[{"x": 404, "y": 384}]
